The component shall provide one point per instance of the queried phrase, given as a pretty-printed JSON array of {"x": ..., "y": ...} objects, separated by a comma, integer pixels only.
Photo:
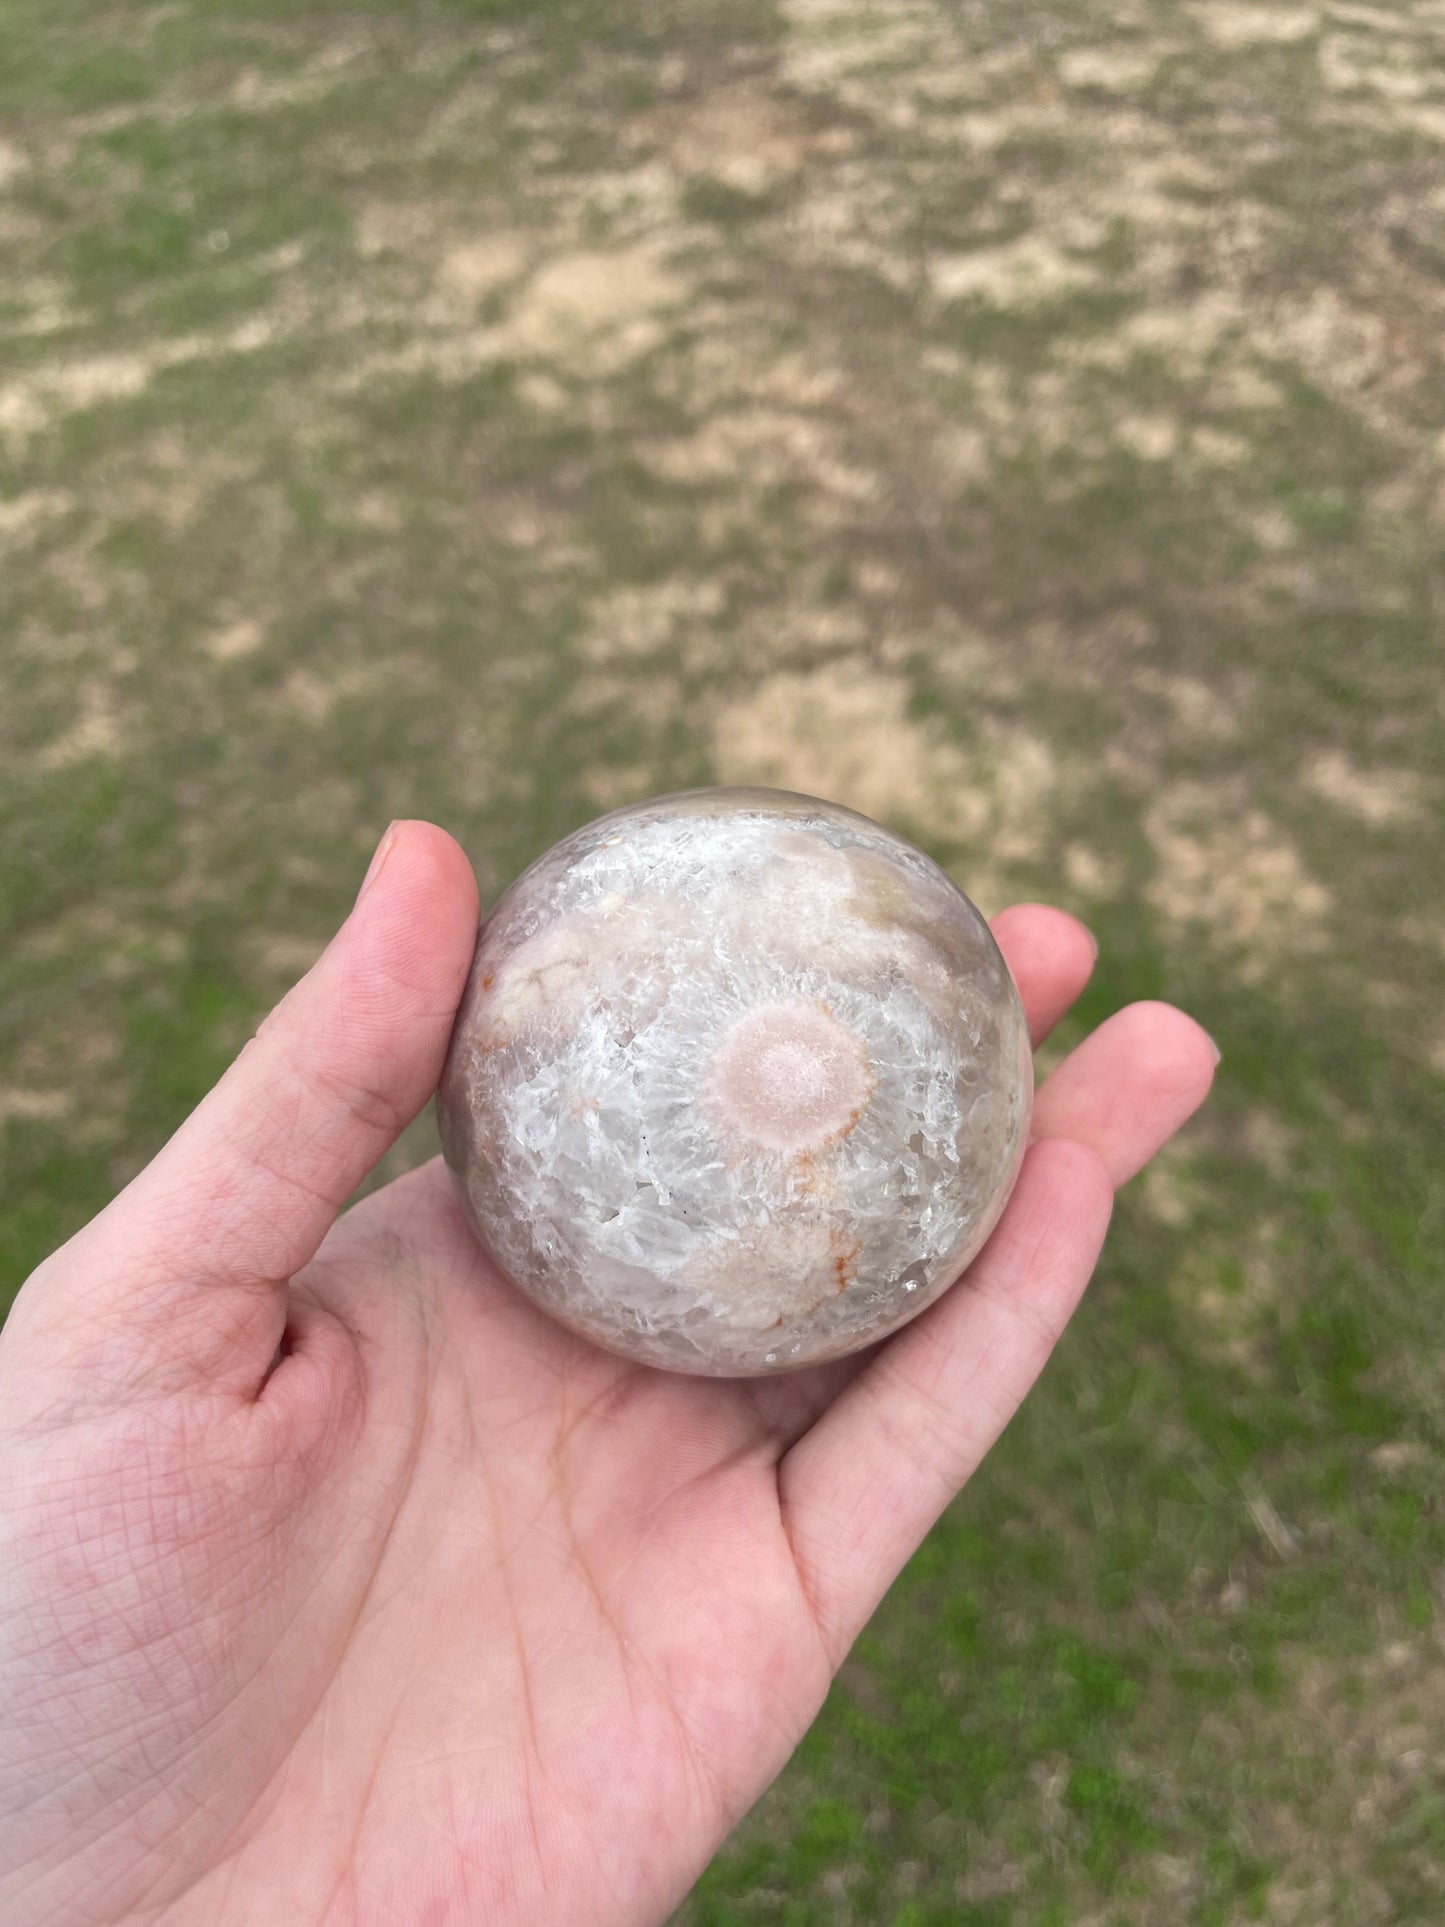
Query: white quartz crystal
[{"x": 740, "y": 1082}]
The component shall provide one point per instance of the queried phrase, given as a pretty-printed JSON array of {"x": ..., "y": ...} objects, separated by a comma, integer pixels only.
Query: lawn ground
[{"x": 1025, "y": 422}]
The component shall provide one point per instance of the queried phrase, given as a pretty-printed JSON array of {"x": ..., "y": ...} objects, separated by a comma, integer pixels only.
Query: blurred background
[{"x": 1024, "y": 422}]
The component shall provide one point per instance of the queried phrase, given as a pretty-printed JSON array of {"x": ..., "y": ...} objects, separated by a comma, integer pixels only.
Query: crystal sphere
[{"x": 740, "y": 1082}]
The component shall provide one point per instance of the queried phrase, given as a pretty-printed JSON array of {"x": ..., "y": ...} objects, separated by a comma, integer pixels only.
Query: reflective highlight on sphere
[{"x": 740, "y": 1082}]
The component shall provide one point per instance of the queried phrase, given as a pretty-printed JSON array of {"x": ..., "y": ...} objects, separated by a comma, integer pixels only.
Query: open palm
[{"x": 337, "y": 1584}]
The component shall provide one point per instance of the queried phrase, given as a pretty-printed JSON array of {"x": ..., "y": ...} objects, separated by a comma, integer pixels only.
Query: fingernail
[
  {"x": 1214, "y": 1047},
  {"x": 1092, "y": 938},
  {"x": 374, "y": 868}
]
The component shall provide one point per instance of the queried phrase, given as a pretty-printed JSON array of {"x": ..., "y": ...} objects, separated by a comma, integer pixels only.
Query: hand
[{"x": 339, "y": 1585}]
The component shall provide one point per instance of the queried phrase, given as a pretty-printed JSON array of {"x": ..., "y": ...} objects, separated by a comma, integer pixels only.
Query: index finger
[{"x": 1051, "y": 956}]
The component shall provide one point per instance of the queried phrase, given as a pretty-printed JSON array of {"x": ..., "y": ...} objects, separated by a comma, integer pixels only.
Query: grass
[{"x": 495, "y": 413}]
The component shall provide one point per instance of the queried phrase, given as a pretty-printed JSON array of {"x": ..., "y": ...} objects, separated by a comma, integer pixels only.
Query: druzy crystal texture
[{"x": 740, "y": 1082}]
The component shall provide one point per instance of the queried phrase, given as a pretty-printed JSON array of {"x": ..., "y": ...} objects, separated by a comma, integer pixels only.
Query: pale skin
[{"x": 338, "y": 1585}]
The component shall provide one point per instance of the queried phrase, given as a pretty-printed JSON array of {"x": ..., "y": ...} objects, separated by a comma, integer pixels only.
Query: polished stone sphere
[{"x": 740, "y": 1082}]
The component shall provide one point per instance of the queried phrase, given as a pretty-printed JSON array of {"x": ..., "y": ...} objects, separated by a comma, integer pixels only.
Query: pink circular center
[{"x": 790, "y": 1077}]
